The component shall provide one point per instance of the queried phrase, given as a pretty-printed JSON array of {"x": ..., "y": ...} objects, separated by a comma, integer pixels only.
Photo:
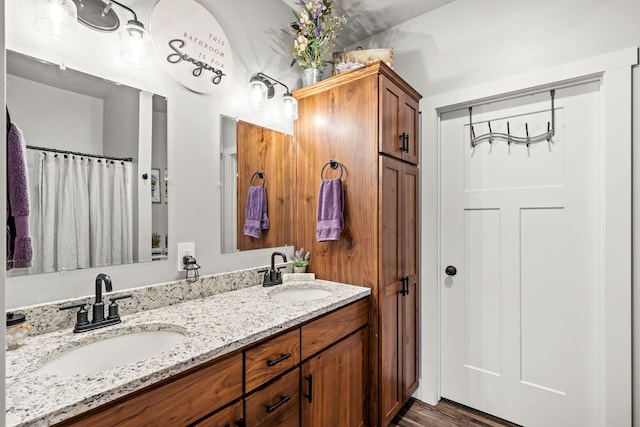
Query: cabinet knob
[{"x": 451, "y": 270}]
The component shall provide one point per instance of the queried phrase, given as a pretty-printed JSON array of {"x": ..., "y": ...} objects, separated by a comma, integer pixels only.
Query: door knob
[{"x": 450, "y": 270}]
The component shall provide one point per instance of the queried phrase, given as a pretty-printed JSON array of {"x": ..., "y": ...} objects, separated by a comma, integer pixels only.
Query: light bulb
[
  {"x": 290, "y": 107},
  {"x": 56, "y": 18},
  {"x": 133, "y": 43},
  {"x": 257, "y": 93}
]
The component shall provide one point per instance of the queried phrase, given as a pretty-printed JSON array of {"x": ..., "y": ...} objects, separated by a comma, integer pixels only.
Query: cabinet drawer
[
  {"x": 271, "y": 358},
  {"x": 177, "y": 403},
  {"x": 278, "y": 404},
  {"x": 323, "y": 332},
  {"x": 231, "y": 416}
]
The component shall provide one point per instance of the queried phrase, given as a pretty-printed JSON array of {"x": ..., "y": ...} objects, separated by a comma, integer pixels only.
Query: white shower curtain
[{"x": 84, "y": 214}]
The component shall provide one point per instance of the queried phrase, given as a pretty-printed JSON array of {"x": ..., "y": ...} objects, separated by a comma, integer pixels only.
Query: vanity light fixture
[
  {"x": 191, "y": 267},
  {"x": 100, "y": 16},
  {"x": 261, "y": 88},
  {"x": 56, "y": 18}
]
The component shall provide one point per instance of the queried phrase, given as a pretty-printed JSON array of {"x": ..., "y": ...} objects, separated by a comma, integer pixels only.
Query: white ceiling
[{"x": 369, "y": 17}]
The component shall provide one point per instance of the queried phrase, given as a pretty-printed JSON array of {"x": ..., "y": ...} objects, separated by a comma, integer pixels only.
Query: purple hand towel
[
  {"x": 20, "y": 245},
  {"x": 255, "y": 214},
  {"x": 330, "y": 220}
]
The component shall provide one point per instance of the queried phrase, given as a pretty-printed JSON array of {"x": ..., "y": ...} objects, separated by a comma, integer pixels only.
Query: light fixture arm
[
  {"x": 106, "y": 9},
  {"x": 260, "y": 74}
]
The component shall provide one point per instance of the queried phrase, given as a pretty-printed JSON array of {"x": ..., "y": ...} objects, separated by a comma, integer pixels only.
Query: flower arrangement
[
  {"x": 314, "y": 32},
  {"x": 299, "y": 260}
]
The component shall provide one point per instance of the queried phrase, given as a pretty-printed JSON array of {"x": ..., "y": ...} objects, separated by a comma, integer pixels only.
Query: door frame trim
[{"x": 614, "y": 72}]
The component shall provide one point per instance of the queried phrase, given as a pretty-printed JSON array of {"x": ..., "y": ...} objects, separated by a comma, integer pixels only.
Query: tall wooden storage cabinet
[{"x": 367, "y": 120}]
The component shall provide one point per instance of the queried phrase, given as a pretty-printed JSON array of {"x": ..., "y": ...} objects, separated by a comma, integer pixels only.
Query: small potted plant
[
  {"x": 300, "y": 262},
  {"x": 155, "y": 240}
]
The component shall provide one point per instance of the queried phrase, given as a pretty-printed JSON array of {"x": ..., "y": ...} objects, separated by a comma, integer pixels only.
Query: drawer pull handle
[
  {"x": 283, "y": 399},
  {"x": 283, "y": 356},
  {"x": 310, "y": 395}
]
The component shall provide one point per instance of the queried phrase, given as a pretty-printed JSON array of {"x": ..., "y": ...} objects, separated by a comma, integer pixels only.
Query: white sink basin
[
  {"x": 299, "y": 294},
  {"x": 112, "y": 352}
]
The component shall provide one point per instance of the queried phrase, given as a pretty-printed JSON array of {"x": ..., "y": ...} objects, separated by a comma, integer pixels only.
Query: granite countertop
[{"x": 213, "y": 326}]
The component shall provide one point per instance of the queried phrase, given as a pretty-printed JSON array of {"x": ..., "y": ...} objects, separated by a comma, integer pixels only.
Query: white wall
[
  {"x": 51, "y": 128},
  {"x": 253, "y": 31},
  {"x": 467, "y": 43}
]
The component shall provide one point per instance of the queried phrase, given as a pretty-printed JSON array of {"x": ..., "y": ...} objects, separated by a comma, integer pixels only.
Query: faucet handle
[
  {"x": 116, "y": 298},
  {"x": 113, "y": 306},
  {"x": 82, "y": 316}
]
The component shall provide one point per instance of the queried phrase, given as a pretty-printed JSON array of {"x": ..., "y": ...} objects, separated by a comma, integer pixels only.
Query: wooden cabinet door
[
  {"x": 390, "y": 296},
  {"x": 398, "y": 317},
  {"x": 390, "y": 99},
  {"x": 409, "y": 126},
  {"x": 231, "y": 416},
  {"x": 333, "y": 385},
  {"x": 410, "y": 299},
  {"x": 398, "y": 122}
]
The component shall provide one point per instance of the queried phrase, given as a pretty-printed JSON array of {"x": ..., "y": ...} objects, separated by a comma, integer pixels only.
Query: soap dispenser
[{"x": 17, "y": 329}]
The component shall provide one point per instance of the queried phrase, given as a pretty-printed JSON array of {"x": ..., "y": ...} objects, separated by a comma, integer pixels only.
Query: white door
[{"x": 521, "y": 319}]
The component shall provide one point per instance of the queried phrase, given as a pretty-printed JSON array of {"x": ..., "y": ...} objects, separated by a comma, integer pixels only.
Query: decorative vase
[
  {"x": 302, "y": 269},
  {"x": 311, "y": 76}
]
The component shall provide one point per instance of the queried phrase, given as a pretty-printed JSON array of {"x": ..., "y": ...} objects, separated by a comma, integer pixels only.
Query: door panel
[
  {"x": 521, "y": 318},
  {"x": 482, "y": 303},
  {"x": 333, "y": 385},
  {"x": 391, "y": 299},
  {"x": 410, "y": 127}
]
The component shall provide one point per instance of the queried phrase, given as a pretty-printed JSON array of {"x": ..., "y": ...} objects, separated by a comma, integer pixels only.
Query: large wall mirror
[
  {"x": 97, "y": 167},
  {"x": 256, "y": 162}
]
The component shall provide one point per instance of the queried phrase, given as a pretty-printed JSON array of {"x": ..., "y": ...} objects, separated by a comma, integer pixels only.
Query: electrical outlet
[{"x": 188, "y": 248}]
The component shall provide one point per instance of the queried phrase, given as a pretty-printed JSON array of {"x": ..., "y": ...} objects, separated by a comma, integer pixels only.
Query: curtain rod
[{"x": 54, "y": 150}]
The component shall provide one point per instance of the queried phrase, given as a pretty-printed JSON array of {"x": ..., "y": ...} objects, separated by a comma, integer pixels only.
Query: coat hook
[
  {"x": 526, "y": 127},
  {"x": 472, "y": 134},
  {"x": 490, "y": 132},
  {"x": 548, "y": 132},
  {"x": 508, "y": 134}
]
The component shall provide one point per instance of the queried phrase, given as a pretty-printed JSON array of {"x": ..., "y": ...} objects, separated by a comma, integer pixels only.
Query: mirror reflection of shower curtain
[{"x": 84, "y": 213}]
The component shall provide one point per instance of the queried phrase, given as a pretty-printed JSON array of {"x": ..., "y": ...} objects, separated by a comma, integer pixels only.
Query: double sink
[{"x": 99, "y": 354}]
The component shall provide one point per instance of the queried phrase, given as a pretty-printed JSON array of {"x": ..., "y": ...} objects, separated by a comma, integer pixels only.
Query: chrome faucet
[
  {"x": 273, "y": 276},
  {"x": 98, "y": 321}
]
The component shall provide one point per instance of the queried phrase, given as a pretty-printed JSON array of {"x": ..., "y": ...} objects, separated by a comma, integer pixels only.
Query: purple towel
[
  {"x": 255, "y": 214},
  {"x": 330, "y": 220},
  {"x": 19, "y": 243}
]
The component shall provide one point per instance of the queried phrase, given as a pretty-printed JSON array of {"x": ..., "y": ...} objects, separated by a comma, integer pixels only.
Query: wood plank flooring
[{"x": 446, "y": 414}]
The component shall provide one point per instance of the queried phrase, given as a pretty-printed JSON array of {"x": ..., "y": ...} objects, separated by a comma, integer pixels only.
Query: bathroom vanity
[{"x": 253, "y": 355}]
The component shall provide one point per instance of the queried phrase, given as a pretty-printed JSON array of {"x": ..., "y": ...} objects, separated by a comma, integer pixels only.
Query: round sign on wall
[{"x": 191, "y": 45}]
